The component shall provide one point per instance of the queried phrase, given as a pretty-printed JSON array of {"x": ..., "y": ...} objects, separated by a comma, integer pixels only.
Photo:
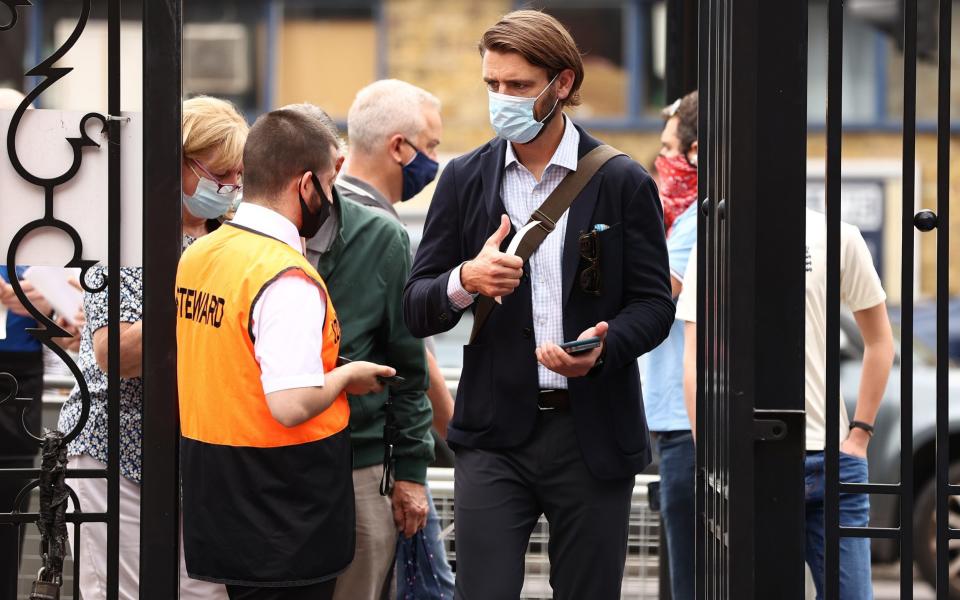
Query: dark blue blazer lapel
[
  {"x": 579, "y": 217},
  {"x": 491, "y": 174},
  {"x": 578, "y": 221}
]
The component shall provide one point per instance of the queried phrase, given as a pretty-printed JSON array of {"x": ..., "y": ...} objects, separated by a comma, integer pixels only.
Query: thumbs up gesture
[{"x": 493, "y": 273}]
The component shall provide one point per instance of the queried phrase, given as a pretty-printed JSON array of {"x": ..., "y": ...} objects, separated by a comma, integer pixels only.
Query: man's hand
[
  {"x": 9, "y": 299},
  {"x": 493, "y": 273},
  {"x": 557, "y": 360},
  {"x": 364, "y": 375},
  {"x": 409, "y": 507},
  {"x": 856, "y": 443}
]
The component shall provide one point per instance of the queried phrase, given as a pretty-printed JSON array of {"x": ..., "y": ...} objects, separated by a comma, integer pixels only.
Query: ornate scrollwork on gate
[
  {"x": 48, "y": 330},
  {"x": 14, "y": 15}
]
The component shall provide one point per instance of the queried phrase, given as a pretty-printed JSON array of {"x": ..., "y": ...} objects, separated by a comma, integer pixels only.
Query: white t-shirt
[
  {"x": 687, "y": 302},
  {"x": 860, "y": 289}
]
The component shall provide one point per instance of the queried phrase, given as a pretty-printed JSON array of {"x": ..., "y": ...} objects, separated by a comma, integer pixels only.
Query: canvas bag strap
[{"x": 548, "y": 214}]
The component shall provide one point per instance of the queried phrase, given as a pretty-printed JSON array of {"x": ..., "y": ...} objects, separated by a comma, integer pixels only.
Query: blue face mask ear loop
[
  {"x": 199, "y": 177},
  {"x": 556, "y": 102},
  {"x": 416, "y": 151}
]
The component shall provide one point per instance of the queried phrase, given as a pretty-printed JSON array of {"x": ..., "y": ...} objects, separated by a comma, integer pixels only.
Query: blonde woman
[{"x": 213, "y": 137}]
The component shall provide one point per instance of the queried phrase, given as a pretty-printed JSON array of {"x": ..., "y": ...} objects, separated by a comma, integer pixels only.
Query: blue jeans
[
  {"x": 678, "y": 461},
  {"x": 436, "y": 551},
  {"x": 855, "y": 582}
]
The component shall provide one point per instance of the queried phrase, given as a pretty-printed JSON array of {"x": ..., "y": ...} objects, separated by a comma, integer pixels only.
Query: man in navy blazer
[{"x": 536, "y": 430}]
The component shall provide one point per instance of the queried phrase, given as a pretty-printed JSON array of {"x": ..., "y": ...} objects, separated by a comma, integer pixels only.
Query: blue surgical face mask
[
  {"x": 417, "y": 173},
  {"x": 512, "y": 117},
  {"x": 236, "y": 202},
  {"x": 206, "y": 202}
]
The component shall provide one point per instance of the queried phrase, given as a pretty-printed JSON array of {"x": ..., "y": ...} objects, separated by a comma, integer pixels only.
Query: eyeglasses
[
  {"x": 224, "y": 189},
  {"x": 590, "y": 279}
]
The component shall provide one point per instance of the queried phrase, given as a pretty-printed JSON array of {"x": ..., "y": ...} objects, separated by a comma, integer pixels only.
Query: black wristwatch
[{"x": 861, "y": 425}]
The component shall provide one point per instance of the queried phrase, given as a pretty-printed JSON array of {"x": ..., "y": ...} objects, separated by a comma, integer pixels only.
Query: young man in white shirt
[
  {"x": 862, "y": 293},
  {"x": 268, "y": 506}
]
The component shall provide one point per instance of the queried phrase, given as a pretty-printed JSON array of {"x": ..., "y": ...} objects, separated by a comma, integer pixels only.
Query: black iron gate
[
  {"x": 162, "y": 241},
  {"x": 750, "y": 333},
  {"x": 753, "y": 72},
  {"x": 925, "y": 221}
]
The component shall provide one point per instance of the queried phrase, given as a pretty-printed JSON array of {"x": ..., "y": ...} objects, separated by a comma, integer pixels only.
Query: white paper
[
  {"x": 515, "y": 243},
  {"x": 3, "y": 322},
  {"x": 42, "y": 146},
  {"x": 53, "y": 283}
]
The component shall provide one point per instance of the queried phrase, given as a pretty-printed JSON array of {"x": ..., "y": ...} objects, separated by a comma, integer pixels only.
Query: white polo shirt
[{"x": 860, "y": 289}]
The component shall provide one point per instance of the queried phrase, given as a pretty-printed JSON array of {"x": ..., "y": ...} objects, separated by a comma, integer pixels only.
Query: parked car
[
  {"x": 884, "y": 453},
  {"x": 925, "y": 324}
]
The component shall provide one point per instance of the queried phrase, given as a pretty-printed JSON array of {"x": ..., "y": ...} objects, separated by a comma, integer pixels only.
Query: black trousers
[
  {"x": 16, "y": 452},
  {"x": 319, "y": 591},
  {"x": 500, "y": 495}
]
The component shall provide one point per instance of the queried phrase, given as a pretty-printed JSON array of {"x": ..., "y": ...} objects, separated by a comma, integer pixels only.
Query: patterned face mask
[{"x": 678, "y": 187}]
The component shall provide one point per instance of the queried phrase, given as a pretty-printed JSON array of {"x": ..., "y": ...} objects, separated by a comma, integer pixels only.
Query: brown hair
[
  {"x": 312, "y": 110},
  {"x": 284, "y": 144},
  {"x": 542, "y": 41},
  {"x": 687, "y": 112}
]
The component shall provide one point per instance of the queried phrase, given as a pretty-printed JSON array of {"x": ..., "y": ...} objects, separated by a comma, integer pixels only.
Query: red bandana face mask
[{"x": 678, "y": 187}]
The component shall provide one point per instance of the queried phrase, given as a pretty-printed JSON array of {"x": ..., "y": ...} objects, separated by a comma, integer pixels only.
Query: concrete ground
[
  {"x": 886, "y": 584},
  {"x": 640, "y": 583}
]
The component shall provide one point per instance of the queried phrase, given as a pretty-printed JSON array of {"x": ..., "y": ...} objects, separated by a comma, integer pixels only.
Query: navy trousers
[{"x": 500, "y": 496}]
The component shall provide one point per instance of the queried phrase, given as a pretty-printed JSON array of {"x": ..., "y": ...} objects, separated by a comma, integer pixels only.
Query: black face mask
[{"x": 310, "y": 222}]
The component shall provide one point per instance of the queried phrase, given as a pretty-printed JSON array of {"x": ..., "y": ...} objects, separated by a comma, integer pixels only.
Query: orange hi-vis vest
[
  {"x": 255, "y": 493},
  {"x": 219, "y": 280}
]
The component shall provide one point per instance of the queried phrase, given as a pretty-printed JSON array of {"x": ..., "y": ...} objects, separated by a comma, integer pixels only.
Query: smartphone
[
  {"x": 578, "y": 346},
  {"x": 394, "y": 380}
]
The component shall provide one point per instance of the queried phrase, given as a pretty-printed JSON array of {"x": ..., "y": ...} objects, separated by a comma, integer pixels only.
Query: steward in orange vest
[{"x": 266, "y": 470}]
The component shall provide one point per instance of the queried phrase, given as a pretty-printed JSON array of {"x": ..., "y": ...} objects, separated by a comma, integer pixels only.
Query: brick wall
[{"x": 434, "y": 45}]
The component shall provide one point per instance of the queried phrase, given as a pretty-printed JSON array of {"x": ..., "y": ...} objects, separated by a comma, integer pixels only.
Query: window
[
  {"x": 873, "y": 63},
  {"x": 860, "y": 68},
  {"x": 622, "y": 42},
  {"x": 327, "y": 51},
  {"x": 926, "y": 68},
  {"x": 220, "y": 51},
  {"x": 86, "y": 87}
]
